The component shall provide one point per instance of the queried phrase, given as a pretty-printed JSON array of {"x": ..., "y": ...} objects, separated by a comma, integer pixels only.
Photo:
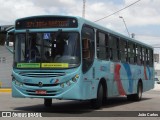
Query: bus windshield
[{"x": 62, "y": 48}]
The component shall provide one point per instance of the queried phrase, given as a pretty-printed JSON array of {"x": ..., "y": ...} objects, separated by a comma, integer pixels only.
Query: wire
[{"x": 118, "y": 11}]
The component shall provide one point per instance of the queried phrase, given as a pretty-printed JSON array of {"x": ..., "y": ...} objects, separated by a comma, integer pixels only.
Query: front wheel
[
  {"x": 97, "y": 103},
  {"x": 47, "y": 102}
]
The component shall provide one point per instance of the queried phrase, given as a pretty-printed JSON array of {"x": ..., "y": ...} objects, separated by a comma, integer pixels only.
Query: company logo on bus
[{"x": 40, "y": 84}]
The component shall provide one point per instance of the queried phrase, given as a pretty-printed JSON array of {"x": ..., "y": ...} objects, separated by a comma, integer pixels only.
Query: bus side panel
[
  {"x": 99, "y": 70},
  {"x": 122, "y": 78},
  {"x": 136, "y": 73},
  {"x": 104, "y": 70}
]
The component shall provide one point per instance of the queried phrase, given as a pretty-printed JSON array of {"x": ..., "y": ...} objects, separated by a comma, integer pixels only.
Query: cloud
[
  {"x": 143, "y": 13},
  {"x": 13, "y": 9}
]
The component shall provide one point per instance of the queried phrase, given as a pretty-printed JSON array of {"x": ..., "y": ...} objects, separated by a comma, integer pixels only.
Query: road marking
[{"x": 5, "y": 90}]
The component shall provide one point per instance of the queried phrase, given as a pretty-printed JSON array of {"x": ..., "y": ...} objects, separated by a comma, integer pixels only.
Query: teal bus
[{"x": 71, "y": 58}]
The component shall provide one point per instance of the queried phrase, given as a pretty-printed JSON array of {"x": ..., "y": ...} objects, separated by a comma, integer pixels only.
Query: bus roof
[
  {"x": 93, "y": 24},
  {"x": 113, "y": 32}
]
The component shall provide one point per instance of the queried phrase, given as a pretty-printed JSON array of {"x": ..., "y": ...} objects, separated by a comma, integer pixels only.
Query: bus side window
[
  {"x": 139, "y": 54},
  {"x": 131, "y": 52},
  {"x": 148, "y": 57},
  {"x": 151, "y": 58},
  {"x": 102, "y": 46},
  {"x": 144, "y": 55},
  {"x": 118, "y": 49},
  {"x": 123, "y": 50},
  {"x": 110, "y": 48},
  {"x": 113, "y": 42}
]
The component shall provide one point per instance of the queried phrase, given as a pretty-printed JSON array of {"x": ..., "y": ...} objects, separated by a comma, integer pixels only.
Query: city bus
[{"x": 71, "y": 58}]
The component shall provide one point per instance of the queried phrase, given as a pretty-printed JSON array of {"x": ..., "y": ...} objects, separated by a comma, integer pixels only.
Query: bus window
[
  {"x": 118, "y": 49},
  {"x": 113, "y": 48},
  {"x": 123, "y": 50},
  {"x": 87, "y": 47},
  {"x": 139, "y": 54},
  {"x": 101, "y": 46},
  {"x": 151, "y": 58},
  {"x": 131, "y": 52},
  {"x": 43, "y": 47},
  {"x": 144, "y": 56},
  {"x": 20, "y": 48},
  {"x": 147, "y": 56}
]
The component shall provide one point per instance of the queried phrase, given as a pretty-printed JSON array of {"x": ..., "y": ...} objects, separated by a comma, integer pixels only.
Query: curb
[{"x": 5, "y": 90}]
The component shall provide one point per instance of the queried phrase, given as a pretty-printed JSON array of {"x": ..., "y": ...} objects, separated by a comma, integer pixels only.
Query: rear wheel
[
  {"x": 97, "y": 103},
  {"x": 47, "y": 102},
  {"x": 138, "y": 95}
]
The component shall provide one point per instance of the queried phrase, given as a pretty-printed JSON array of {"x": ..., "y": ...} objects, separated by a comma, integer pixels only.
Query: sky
[{"x": 142, "y": 19}]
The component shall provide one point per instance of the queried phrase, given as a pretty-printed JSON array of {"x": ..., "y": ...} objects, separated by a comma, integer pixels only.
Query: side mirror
[{"x": 10, "y": 41}]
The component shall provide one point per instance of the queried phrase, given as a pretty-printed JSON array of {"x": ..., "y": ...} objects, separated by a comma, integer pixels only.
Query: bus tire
[
  {"x": 47, "y": 102},
  {"x": 138, "y": 95},
  {"x": 97, "y": 103}
]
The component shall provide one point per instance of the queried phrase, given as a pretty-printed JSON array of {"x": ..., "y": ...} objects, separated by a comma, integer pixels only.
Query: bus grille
[
  {"x": 42, "y": 74},
  {"x": 44, "y": 85}
]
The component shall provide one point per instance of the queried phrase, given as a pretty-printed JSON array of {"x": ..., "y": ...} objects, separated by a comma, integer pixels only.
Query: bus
[{"x": 71, "y": 58}]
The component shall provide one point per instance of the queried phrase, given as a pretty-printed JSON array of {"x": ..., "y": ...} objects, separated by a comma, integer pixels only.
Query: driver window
[{"x": 86, "y": 48}]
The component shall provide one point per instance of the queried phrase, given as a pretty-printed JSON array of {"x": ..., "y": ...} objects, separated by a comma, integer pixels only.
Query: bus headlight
[
  {"x": 17, "y": 82},
  {"x": 62, "y": 85},
  {"x": 74, "y": 79},
  {"x": 69, "y": 82}
]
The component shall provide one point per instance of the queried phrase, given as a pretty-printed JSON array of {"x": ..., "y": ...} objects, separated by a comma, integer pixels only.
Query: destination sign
[{"x": 46, "y": 22}]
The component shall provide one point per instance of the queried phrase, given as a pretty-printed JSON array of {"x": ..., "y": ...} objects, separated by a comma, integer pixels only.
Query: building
[
  {"x": 6, "y": 61},
  {"x": 3, "y": 31}
]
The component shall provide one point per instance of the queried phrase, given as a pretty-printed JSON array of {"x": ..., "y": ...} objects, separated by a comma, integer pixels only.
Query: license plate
[{"x": 41, "y": 92}]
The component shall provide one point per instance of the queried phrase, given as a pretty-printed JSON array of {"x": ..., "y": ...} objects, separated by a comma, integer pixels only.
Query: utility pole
[{"x": 84, "y": 6}]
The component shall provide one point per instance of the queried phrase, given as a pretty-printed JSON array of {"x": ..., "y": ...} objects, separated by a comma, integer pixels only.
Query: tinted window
[
  {"x": 87, "y": 47},
  {"x": 102, "y": 46}
]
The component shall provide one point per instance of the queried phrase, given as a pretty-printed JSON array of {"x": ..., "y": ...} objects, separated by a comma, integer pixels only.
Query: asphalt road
[{"x": 81, "y": 109}]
